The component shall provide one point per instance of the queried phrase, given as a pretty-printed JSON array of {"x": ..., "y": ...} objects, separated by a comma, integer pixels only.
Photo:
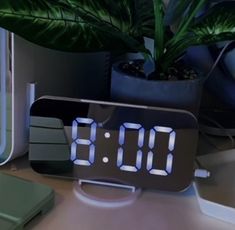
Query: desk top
[{"x": 152, "y": 210}]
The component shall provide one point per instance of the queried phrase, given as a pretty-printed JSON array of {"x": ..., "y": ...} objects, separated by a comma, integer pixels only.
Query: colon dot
[
  {"x": 107, "y": 135},
  {"x": 105, "y": 159}
]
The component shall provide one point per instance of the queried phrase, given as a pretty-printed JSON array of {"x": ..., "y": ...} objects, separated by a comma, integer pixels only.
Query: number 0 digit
[
  {"x": 120, "y": 154},
  {"x": 169, "y": 158}
]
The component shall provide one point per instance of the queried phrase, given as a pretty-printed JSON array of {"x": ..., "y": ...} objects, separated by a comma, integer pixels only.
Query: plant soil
[{"x": 179, "y": 71}]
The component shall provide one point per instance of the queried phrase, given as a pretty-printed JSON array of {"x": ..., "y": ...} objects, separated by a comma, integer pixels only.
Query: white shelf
[{"x": 216, "y": 195}]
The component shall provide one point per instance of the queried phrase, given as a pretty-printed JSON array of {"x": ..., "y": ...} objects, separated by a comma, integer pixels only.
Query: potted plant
[{"x": 120, "y": 27}]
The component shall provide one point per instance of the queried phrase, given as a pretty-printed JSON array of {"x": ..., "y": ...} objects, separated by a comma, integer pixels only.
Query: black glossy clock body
[{"x": 146, "y": 147}]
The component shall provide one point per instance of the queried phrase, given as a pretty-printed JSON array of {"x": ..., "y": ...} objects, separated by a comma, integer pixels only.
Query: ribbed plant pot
[{"x": 178, "y": 94}]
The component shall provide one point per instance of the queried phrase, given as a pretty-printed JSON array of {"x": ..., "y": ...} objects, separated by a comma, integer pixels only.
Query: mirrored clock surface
[{"x": 147, "y": 147}]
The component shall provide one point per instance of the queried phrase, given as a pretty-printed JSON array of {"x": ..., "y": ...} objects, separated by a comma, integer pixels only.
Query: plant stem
[{"x": 159, "y": 29}]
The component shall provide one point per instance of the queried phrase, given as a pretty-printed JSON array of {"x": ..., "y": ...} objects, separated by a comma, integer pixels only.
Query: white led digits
[{"x": 152, "y": 155}]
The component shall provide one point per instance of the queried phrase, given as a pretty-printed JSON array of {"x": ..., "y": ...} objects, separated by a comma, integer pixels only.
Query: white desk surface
[{"x": 153, "y": 210}]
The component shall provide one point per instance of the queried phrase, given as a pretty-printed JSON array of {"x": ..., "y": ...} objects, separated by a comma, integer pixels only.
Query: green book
[{"x": 21, "y": 201}]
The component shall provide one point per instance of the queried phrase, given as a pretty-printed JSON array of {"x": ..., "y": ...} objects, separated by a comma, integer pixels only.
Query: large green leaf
[
  {"x": 73, "y": 25},
  {"x": 218, "y": 24},
  {"x": 119, "y": 13},
  {"x": 133, "y": 16}
]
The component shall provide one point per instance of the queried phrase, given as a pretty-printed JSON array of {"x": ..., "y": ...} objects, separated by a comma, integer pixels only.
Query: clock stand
[{"x": 115, "y": 197}]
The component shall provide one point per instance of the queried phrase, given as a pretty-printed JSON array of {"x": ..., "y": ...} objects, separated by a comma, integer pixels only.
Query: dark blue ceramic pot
[{"x": 179, "y": 94}]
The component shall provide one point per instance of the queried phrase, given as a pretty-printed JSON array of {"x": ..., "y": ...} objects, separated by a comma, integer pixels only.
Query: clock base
[{"x": 105, "y": 194}]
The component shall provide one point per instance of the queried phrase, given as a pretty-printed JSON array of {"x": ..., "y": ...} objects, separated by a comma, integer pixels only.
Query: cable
[{"x": 217, "y": 124}]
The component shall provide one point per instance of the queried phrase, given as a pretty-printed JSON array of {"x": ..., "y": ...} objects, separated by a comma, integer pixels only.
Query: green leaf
[
  {"x": 176, "y": 51},
  {"x": 78, "y": 26},
  {"x": 187, "y": 21},
  {"x": 218, "y": 24}
]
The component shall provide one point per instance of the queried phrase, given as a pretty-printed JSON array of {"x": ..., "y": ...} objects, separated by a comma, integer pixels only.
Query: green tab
[
  {"x": 49, "y": 152},
  {"x": 46, "y": 122},
  {"x": 46, "y": 135}
]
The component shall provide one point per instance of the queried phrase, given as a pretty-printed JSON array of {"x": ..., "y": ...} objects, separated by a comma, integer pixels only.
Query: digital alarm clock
[{"x": 147, "y": 147}]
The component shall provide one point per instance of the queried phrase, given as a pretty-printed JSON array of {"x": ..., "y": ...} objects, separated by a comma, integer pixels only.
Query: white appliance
[{"x": 28, "y": 71}]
